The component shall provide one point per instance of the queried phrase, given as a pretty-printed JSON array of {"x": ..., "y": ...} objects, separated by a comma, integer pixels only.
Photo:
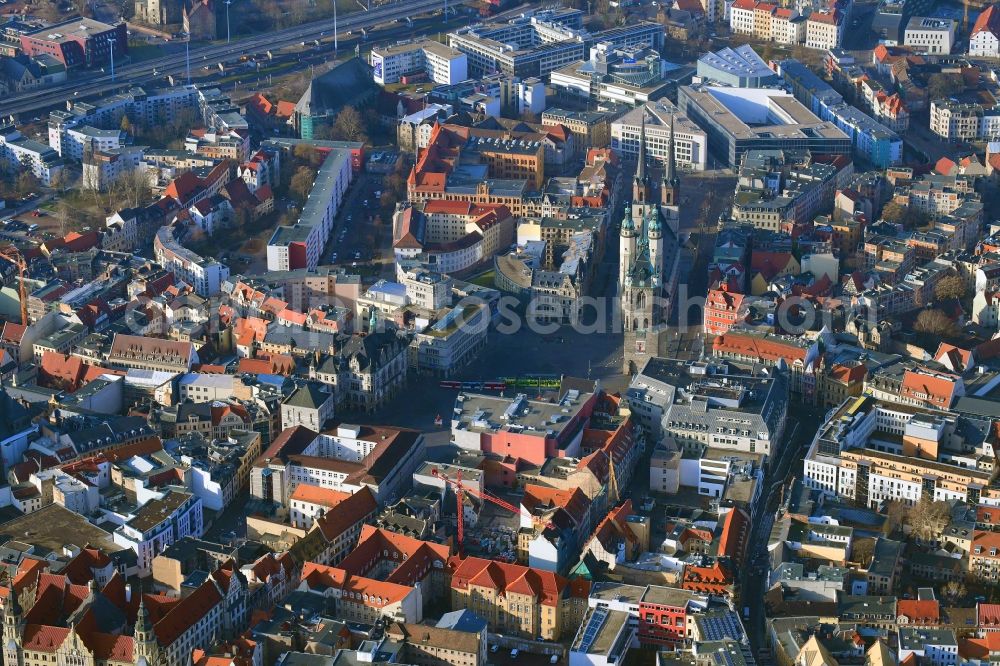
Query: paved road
[
  {"x": 96, "y": 83},
  {"x": 754, "y": 574}
]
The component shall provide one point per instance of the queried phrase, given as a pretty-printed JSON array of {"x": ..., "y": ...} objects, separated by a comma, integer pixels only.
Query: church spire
[
  {"x": 671, "y": 186},
  {"x": 640, "y": 172},
  {"x": 146, "y": 647},
  {"x": 640, "y": 186},
  {"x": 671, "y": 167}
]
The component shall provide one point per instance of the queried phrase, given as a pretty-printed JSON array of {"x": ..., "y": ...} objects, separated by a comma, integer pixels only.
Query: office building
[
  {"x": 740, "y": 119},
  {"x": 661, "y": 119},
  {"x": 930, "y": 35},
  {"x": 418, "y": 61}
]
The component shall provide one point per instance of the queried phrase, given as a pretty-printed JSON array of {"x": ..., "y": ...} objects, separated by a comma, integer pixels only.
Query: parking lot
[
  {"x": 357, "y": 240},
  {"x": 26, "y": 220}
]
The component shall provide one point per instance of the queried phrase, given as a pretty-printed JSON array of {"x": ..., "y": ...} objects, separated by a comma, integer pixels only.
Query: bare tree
[
  {"x": 895, "y": 515},
  {"x": 954, "y": 590},
  {"x": 927, "y": 519},
  {"x": 935, "y": 323},
  {"x": 136, "y": 186},
  {"x": 59, "y": 180},
  {"x": 863, "y": 550},
  {"x": 27, "y": 181},
  {"x": 64, "y": 214},
  {"x": 950, "y": 286},
  {"x": 302, "y": 183},
  {"x": 349, "y": 126}
]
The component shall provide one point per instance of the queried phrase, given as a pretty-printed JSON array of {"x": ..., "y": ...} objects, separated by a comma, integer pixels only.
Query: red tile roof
[
  {"x": 274, "y": 364},
  {"x": 988, "y": 21},
  {"x": 60, "y": 371},
  {"x": 366, "y": 591},
  {"x": 353, "y": 510},
  {"x": 945, "y": 166},
  {"x": 306, "y": 492},
  {"x": 848, "y": 374},
  {"x": 43, "y": 638},
  {"x": 769, "y": 264},
  {"x": 80, "y": 570},
  {"x": 545, "y": 586},
  {"x": 769, "y": 350},
  {"x": 413, "y": 558},
  {"x": 982, "y": 544},
  {"x": 12, "y": 332},
  {"x": 187, "y": 612},
  {"x": 988, "y": 615},
  {"x": 713, "y": 579},
  {"x": 937, "y": 389},
  {"x": 289, "y": 441},
  {"x": 959, "y": 358},
  {"x": 979, "y": 648},
  {"x": 614, "y": 527},
  {"x": 920, "y": 612},
  {"x": 111, "y": 647},
  {"x": 829, "y": 18},
  {"x": 735, "y": 529},
  {"x": 540, "y": 498}
]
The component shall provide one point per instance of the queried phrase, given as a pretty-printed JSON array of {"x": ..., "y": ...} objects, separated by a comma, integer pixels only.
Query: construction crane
[
  {"x": 460, "y": 489},
  {"x": 13, "y": 255}
]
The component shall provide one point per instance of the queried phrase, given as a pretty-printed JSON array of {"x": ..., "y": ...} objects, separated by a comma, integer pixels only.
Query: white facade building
[
  {"x": 930, "y": 35},
  {"x": 159, "y": 523},
  {"x": 17, "y": 150},
  {"x": 301, "y": 244},
  {"x": 84, "y": 138},
  {"x": 984, "y": 39},
  {"x": 441, "y": 63},
  {"x": 204, "y": 274},
  {"x": 824, "y": 30},
  {"x": 690, "y": 145}
]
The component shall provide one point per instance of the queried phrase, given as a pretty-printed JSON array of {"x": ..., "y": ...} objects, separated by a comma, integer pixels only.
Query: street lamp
[
  {"x": 187, "y": 55},
  {"x": 111, "y": 41},
  {"x": 334, "y": 28},
  {"x": 228, "y": 2}
]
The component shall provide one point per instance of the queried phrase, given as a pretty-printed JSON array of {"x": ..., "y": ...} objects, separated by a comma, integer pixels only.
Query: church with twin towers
[{"x": 648, "y": 255}]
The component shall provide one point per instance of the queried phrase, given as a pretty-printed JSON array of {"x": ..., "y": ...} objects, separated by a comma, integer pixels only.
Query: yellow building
[{"x": 517, "y": 600}]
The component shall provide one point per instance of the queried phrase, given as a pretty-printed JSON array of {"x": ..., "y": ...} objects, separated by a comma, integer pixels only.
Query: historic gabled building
[
  {"x": 70, "y": 619},
  {"x": 648, "y": 256}
]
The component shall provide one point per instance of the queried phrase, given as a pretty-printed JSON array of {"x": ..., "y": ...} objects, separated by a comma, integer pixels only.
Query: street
[
  {"x": 95, "y": 83},
  {"x": 753, "y": 582}
]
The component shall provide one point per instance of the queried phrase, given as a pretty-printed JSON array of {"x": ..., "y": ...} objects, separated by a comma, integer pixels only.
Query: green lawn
[{"x": 484, "y": 279}]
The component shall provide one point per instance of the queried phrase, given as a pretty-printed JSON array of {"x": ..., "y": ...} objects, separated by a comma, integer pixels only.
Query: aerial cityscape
[{"x": 499, "y": 333}]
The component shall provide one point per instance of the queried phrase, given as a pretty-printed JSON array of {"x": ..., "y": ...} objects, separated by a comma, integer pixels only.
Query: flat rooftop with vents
[{"x": 742, "y": 119}]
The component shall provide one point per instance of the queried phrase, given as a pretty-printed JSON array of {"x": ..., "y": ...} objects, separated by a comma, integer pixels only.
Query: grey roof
[
  {"x": 977, "y": 406},
  {"x": 702, "y": 405},
  {"x": 885, "y": 557},
  {"x": 914, "y": 638},
  {"x": 854, "y": 607},
  {"x": 462, "y": 620},
  {"x": 347, "y": 83},
  {"x": 309, "y": 395},
  {"x": 742, "y": 61}
]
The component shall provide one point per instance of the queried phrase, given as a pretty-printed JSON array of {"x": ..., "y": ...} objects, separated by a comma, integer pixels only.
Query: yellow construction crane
[{"x": 13, "y": 255}]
